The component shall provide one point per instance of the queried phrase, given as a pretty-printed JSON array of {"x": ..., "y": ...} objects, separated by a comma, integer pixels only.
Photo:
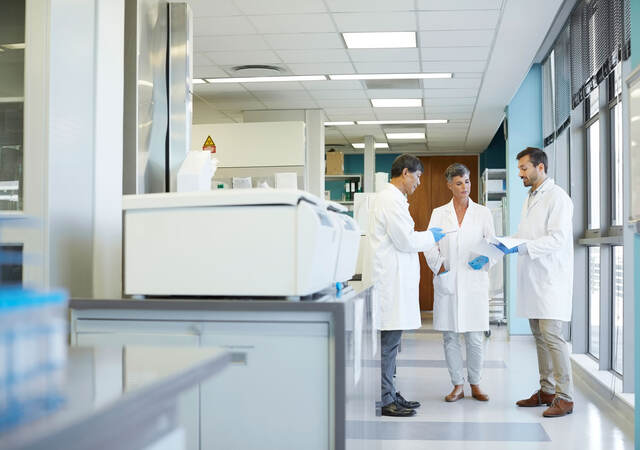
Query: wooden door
[{"x": 432, "y": 193}]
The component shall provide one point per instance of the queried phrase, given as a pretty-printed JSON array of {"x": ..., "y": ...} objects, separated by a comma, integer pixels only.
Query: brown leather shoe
[
  {"x": 477, "y": 393},
  {"x": 455, "y": 395},
  {"x": 538, "y": 398},
  {"x": 559, "y": 407}
]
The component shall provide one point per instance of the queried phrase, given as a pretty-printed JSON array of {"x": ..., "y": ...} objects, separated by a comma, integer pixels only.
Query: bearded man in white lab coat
[
  {"x": 545, "y": 280},
  {"x": 396, "y": 272}
]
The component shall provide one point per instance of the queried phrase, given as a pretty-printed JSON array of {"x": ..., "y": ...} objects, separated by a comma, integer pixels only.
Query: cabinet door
[
  {"x": 124, "y": 332},
  {"x": 279, "y": 396}
]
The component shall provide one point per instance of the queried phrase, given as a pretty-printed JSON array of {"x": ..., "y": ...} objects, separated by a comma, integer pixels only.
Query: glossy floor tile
[{"x": 510, "y": 373}]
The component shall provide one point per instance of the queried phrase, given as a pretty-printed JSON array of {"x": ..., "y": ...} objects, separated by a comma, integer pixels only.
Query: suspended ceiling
[{"x": 488, "y": 46}]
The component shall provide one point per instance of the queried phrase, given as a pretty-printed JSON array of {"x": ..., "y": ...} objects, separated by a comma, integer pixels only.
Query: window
[
  {"x": 593, "y": 155},
  {"x": 12, "y": 45},
  {"x": 618, "y": 305},
  {"x": 617, "y": 161},
  {"x": 594, "y": 301}
]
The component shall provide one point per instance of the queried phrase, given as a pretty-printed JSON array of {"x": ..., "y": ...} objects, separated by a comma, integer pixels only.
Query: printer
[
  {"x": 349, "y": 241},
  {"x": 250, "y": 242}
]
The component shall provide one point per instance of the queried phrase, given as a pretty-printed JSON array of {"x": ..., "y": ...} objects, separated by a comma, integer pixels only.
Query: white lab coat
[
  {"x": 545, "y": 270},
  {"x": 461, "y": 295},
  {"x": 395, "y": 265}
]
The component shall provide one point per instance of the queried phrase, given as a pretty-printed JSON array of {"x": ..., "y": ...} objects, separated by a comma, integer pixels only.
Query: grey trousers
[
  {"x": 390, "y": 341},
  {"x": 453, "y": 355},
  {"x": 553, "y": 357}
]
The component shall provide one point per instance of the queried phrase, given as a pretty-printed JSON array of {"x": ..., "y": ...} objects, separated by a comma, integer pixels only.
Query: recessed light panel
[
  {"x": 268, "y": 79},
  {"x": 390, "y": 76},
  {"x": 329, "y": 124},
  {"x": 396, "y": 102},
  {"x": 407, "y": 136},
  {"x": 393, "y": 39},
  {"x": 400, "y": 122},
  {"x": 198, "y": 81},
  {"x": 376, "y": 145}
]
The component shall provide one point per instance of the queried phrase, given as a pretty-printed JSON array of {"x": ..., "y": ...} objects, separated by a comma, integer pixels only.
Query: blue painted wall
[
  {"x": 494, "y": 155},
  {"x": 524, "y": 119}
]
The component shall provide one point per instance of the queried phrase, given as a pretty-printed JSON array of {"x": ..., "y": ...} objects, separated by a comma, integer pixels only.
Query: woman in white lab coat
[{"x": 461, "y": 280}]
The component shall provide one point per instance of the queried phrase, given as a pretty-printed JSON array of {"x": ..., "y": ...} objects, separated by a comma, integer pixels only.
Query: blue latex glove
[
  {"x": 478, "y": 262},
  {"x": 504, "y": 249},
  {"x": 437, "y": 233}
]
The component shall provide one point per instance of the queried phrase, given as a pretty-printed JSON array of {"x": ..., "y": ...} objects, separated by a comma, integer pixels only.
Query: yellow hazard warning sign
[{"x": 209, "y": 146}]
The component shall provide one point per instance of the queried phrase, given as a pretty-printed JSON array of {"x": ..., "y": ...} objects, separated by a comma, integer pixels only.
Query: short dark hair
[
  {"x": 536, "y": 156},
  {"x": 405, "y": 162},
  {"x": 456, "y": 170}
]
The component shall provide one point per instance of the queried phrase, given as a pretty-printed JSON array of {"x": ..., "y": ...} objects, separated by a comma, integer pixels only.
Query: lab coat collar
[
  {"x": 544, "y": 187},
  {"x": 452, "y": 209}
]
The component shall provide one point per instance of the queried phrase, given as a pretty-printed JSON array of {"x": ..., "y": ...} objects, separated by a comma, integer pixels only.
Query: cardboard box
[{"x": 335, "y": 163}]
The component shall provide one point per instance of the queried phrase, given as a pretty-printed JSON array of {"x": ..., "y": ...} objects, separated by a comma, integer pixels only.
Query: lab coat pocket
[{"x": 443, "y": 284}]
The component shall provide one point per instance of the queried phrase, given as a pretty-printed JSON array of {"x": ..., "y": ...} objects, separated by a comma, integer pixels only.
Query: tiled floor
[{"x": 510, "y": 373}]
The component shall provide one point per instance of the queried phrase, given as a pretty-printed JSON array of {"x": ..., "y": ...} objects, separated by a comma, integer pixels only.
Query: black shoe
[
  {"x": 395, "y": 410},
  {"x": 409, "y": 404}
]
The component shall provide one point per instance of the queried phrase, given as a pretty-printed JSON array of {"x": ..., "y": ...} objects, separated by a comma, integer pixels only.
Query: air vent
[
  {"x": 393, "y": 84},
  {"x": 258, "y": 70}
]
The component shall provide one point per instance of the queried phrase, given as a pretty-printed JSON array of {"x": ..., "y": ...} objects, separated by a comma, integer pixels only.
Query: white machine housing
[
  {"x": 253, "y": 242},
  {"x": 349, "y": 242}
]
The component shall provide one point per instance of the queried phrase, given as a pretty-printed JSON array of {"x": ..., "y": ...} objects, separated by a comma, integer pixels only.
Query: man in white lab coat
[
  {"x": 545, "y": 279},
  {"x": 396, "y": 272}
]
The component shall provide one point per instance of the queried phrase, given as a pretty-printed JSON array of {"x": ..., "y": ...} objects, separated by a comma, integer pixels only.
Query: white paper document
[
  {"x": 510, "y": 242},
  {"x": 485, "y": 248}
]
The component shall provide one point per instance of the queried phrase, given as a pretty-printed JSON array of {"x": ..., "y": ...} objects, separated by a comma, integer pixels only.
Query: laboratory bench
[
  {"x": 124, "y": 397},
  {"x": 305, "y": 373}
]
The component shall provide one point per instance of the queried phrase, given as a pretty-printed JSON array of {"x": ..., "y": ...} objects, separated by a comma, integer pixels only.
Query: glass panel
[
  {"x": 617, "y": 74},
  {"x": 12, "y": 25},
  {"x": 617, "y": 212},
  {"x": 618, "y": 306},
  {"x": 593, "y": 152},
  {"x": 594, "y": 103},
  {"x": 594, "y": 301}
]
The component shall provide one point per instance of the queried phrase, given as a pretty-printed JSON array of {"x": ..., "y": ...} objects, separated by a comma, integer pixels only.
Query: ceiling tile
[
  {"x": 208, "y": 72},
  {"x": 313, "y": 56},
  {"x": 439, "y": 5},
  {"x": 455, "y": 82},
  {"x": 396, "y": 67},
  {"x": 384, "y": 54},
  {"x": 454, "y": 53},
  {"x": 331, "y": 85},
  {"x": 293, "y": 23},
  {"x": 321, "y": 68},
  {"x": 270, "y": 86},
  {"x": 369, "y": 5},
  {"x": 449, "y": 101},
  {"x": 449, "y": 93},
  {"x": 251, "y": 7},
  {"x": 458, "y": 20},
  {"x": 305, "y": 41},
  {"x": 244, "y": 57},
  {"x": 200, "y": 59},
  {"x": 450, "y": 108},
  {"x": 366, "y": 22},
  {"x": 291, "y": 104},
  {"x": 227, "y": 43},
  {"x": 449, "y": 115},
  {"x": 339, "y": 94},
  {"x": 211, "y": 89},
  {"x": 207, "y": 8},
  {"x": 212, "y": 26},
  {"x": 281, "y": 96},
  {"x": 459, "y": 38},
  {"x": 395, "y": 93},
  {"x": 454, "y": 66}
]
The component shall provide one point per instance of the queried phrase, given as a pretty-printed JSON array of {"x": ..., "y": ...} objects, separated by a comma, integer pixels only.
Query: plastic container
[{"x": 33, "y": 353}]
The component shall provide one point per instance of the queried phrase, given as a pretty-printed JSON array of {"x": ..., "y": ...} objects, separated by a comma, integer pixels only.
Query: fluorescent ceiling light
[
  {"x": 400, "y": 122},
  {"x": 394, "y": 39},
  {"x": 390, "y": 76},
  {"x": 19, "y": 46},
  {"x": 199, "y": 81},
  {"x": 329, "y": 124},
  {"x": 268, "y": 79},
  {"x": 405, "y": 136},
  {"x": 376, "y": 145},
  {"x": 396, "y": 102}
]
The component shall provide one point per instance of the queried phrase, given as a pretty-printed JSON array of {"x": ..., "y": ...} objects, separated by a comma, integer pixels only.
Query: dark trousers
[{"x": 390, "y": 341}]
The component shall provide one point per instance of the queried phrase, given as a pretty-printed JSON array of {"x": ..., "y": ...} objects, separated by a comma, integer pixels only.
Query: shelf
[
  {"x": 341, "y": 177},
  {"x": 346, "y": 202},
  {"x": 495, "y": 174}
]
